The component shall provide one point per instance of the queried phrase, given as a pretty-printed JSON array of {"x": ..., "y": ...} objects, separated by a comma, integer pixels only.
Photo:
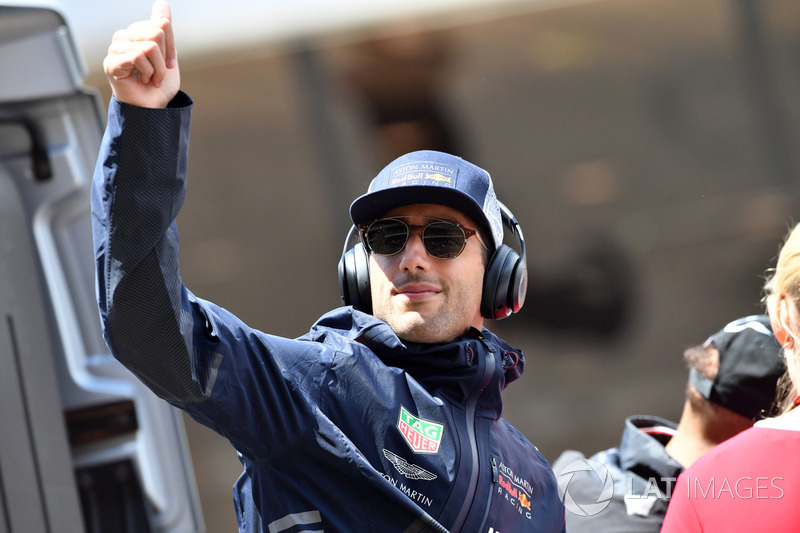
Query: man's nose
[{"x": 414, "y": 256}]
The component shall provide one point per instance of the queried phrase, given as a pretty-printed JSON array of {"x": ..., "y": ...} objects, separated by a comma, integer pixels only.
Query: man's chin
[
  {"x": 422, "y": 337},
  {"x": 411, "y": 327}
]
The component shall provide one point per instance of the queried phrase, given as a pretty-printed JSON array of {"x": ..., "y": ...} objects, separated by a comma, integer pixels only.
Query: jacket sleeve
[
  {"x": 244, "y": 384},
  {"x": 139, "y": 187}
]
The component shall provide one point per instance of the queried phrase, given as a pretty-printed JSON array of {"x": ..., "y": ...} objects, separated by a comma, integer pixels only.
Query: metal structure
[{"x": 84, "y": 446}]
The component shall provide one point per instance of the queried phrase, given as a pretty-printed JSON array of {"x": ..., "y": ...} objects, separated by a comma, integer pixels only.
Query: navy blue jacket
[{"x": 346, "y": 429}]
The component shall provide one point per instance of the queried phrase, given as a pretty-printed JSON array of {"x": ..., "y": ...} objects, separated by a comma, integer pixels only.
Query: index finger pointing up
[{"x": 160, "y": 12}]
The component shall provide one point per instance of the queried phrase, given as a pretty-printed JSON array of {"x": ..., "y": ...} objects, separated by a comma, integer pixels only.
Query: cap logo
[
  {"x": 438, "y": 177},
  {"x": 750, "y": 322},
  {"x": 423, "y": 173}
]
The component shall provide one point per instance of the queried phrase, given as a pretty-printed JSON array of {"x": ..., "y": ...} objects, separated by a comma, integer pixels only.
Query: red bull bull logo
[{"x": 439, "y": 177}]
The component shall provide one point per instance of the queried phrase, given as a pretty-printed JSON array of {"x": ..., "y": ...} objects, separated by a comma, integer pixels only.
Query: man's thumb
[{"x": 160, "y": 11}]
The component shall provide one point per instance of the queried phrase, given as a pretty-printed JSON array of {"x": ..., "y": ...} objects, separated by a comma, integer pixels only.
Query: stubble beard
[{"x": 422, "y": 322}]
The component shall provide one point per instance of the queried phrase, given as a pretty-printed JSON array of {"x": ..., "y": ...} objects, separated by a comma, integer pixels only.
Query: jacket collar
[
  {"x": 642, "y": 448},
  {"x": 456, "y": 369}
]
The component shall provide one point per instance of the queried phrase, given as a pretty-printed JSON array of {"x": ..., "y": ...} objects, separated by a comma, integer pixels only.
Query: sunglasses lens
[
  {"x": 387, "y": 237},
  {"x": 443, "y": 239}
]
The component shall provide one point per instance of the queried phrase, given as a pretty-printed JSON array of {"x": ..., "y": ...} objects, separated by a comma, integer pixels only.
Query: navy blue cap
[
  {"x": 750, "y": 364},
  {"x": 430, "y": 177}
]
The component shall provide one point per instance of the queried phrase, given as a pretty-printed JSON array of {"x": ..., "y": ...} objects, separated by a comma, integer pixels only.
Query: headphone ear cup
[
  {"x": 354, "y": 286},
  {"x": 518, "y": 286},
  {"x": 497, "y": 300}
]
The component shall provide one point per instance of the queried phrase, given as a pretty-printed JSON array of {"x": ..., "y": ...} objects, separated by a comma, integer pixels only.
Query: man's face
[{"x": 422, "y": 298}]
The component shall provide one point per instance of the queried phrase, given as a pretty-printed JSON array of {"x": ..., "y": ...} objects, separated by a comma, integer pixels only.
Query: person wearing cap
[
  {"x": 751, "y": 481},
  {"x": 733, "y": 379},
  {"x": 386, "y": 416}
]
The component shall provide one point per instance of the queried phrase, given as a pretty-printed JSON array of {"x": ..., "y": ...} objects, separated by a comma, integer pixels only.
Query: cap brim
[{"x": 374, "y": 205}]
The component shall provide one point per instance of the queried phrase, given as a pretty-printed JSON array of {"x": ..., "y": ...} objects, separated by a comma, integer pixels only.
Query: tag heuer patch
[{"x": 423, "y": 436}]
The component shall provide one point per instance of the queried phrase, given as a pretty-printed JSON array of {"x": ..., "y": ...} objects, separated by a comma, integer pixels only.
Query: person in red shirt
[{"x": 751, "y": 482}]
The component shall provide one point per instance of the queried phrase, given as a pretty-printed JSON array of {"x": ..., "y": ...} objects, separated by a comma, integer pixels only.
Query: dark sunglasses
[{"x": 442, "y": 239}]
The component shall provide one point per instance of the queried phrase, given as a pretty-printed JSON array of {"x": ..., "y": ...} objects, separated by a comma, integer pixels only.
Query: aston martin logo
[{"x": 409, "y": 470}]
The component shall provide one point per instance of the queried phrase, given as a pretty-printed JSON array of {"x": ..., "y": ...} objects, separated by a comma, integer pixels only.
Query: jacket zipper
[{"x": 486, "y": 379}]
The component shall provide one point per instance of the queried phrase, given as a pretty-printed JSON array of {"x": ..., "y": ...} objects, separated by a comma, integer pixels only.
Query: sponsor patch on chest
[{"x": 422, "y": 436}]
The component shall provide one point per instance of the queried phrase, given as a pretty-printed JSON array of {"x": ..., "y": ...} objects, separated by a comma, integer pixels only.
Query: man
[
  {"x": 733, "y": 381},
  {"x": 385, "y": 422}
]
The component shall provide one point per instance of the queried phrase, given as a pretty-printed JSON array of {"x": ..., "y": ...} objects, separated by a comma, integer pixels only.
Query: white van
[{"x": 84, "y": 446}]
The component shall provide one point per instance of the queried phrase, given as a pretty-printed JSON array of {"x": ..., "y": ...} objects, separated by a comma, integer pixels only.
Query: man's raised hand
[{"x": 142, "y": 62}]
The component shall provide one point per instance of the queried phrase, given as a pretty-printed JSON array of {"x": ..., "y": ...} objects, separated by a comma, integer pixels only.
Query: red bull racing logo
[
  {"x": 423, "y": 436},
  {"x": 423, "y": 173},
  {"x": 515, "y": 490}
]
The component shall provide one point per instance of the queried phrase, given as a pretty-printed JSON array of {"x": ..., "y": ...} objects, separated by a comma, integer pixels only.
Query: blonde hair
[
  {"x": 784, "y": 282},
  {"x": 782, "y": 287}
]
